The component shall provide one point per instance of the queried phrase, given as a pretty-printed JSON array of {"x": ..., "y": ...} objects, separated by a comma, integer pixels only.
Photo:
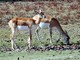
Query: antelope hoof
[{"x": 12, "y": 49}]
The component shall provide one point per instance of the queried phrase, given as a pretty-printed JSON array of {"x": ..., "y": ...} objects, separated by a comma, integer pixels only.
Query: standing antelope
[
  {"x": 20, "y": 23},
  {"x": 49, "y": 22}
]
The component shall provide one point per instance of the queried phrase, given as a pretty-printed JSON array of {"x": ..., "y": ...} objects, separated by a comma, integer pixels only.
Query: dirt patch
[{"x": 47, "y": 48}]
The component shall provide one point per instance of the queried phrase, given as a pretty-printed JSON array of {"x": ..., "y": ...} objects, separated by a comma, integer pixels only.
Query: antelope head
[
  {"x": 39, "y": 15},
  {"x": 66, "y": 38}
]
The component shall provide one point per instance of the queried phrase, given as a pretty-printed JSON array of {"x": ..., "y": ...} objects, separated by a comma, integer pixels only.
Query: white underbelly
[
  {"x": 44, "y": 25},
  {"x": 22, "y": 27}
]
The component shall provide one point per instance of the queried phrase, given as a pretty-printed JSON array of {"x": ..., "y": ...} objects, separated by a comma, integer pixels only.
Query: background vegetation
[{"x": 66, "y": 12}]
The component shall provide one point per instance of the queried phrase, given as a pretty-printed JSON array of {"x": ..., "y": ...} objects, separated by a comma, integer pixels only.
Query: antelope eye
[{"x": 42, "y": 13}]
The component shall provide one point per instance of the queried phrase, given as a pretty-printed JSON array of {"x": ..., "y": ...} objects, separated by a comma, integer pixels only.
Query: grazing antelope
[
  {"x": 20, "y": 23},
  {"x": 49, "y": 22}
]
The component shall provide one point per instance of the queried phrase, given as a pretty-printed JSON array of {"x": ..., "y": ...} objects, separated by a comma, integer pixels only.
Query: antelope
[
  {"x": 49, "y": 22},
  {"x": 20, "y": 23}
]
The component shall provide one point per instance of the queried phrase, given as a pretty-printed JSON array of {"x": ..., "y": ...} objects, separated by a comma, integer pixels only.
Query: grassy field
[
  {"x": 21, "y": 41},
  {"x": 41, "y": 55}
]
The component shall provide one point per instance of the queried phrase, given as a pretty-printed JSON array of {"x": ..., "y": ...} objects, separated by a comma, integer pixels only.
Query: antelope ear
[
  {"x": 40, "y": 11},
  {"x": 36, "y": 12}
]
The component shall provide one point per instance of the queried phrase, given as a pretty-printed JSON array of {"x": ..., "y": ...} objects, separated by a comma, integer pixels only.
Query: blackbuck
[
  {"x": 49, "y": 22},
  {"x": 20, "y": 23}
]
